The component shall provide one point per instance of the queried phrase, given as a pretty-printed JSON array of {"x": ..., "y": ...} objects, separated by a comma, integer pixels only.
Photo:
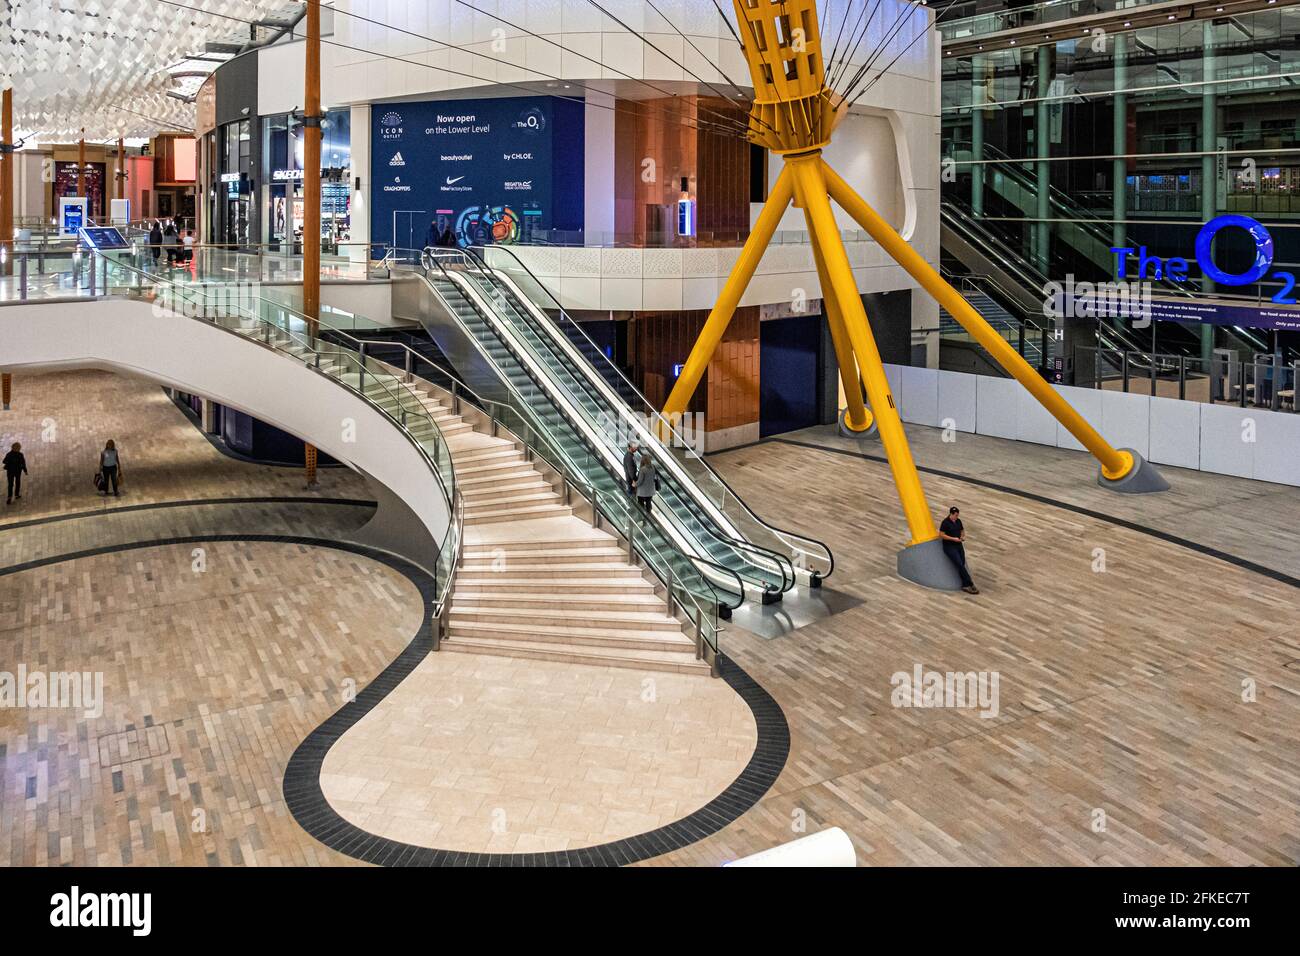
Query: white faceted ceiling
[{"x": 107, "y": 65}]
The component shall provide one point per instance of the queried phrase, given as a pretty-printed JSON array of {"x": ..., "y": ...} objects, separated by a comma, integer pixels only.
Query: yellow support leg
[
  {"x": 1115, "y": 463},
  {"x": 858, "y": 417},
  {"x": 720, "y": 316},
  {"x": 824, "y": 232}
]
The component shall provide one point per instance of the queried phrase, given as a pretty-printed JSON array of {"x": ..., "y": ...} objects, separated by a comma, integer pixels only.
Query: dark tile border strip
[
  {"x": 307, "y": 803},
  {"x": 190, "y": 503},
  {"x": 1205, "y": 549}
]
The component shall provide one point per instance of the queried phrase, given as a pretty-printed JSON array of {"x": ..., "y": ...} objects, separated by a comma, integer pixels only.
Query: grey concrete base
[
  {"x": 1144, "y": 478},
  {"x": 926, "y": 564},
  {"x": 872, "y": 432}
]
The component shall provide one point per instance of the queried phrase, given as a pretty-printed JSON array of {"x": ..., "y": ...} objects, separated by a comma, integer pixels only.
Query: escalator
[
  {"x": 1082, "y": 245},
  {"x": 490, "y": 329}
]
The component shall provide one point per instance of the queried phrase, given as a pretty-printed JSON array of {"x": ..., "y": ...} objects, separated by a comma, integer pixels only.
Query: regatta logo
[
  {"x": 390, "y": 126},
  {"x": 518, "y": 185},
  {"x": 955, "y": 690},
  {"x": 397, "y": 160},
  {"x": 58, "y": 690},
  {"x": 74, "y": 909}
]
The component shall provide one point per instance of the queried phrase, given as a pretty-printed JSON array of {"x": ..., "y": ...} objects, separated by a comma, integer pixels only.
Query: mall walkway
[{"x": 1121, "y": 690}]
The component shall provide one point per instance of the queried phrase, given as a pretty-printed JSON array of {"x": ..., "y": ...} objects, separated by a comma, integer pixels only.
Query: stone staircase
[{"x": 535, "y": 581}]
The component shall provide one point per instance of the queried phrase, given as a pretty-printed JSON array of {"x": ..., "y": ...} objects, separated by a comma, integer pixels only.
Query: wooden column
[
  {"x": 121, "y": 169},
  {"x": 7, "y": 189},
  {"x": 81, "y": 170},
  {"x": 309, "y": 453},
  {"x": 311, "y": 173},
  {"x": 6, "y": 387}
]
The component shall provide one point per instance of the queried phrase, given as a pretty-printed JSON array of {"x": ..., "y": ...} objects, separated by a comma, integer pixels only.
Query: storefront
[{"x": 282, "y": 176}]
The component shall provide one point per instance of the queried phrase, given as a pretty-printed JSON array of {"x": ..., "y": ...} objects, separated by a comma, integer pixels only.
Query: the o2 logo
[{"x": 1175, "y": 268}]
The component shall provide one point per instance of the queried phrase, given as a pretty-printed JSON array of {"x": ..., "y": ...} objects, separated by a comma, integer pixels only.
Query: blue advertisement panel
[
  {"x": 475, "y": 172},
  {"x": 1223, "y": 313}
]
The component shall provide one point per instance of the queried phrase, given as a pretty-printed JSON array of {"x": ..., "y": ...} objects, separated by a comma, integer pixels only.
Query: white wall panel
[
  {"x": 1034, "y": 423},
  {"x": 1277, "y": 447},
  {"x": 1125, "y": 420},
  {"x": 958, "y": 400},
  {"x": 1087, "y": 402},
  {"x": 996, "y": 401},
  {"x": 1222, "y": 448},
  {"x": 919, "y": 402},
  {"x": 1175, "y": 433}
]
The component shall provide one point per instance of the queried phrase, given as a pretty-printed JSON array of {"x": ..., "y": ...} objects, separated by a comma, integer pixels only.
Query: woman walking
[
  {"x": 647, "y": 482},
  {"x": 110, "y": 466},
  {"x": 15, "y": 465}
]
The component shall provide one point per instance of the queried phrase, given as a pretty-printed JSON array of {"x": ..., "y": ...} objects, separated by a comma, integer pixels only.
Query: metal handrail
[{"x": 662, "y": 423}]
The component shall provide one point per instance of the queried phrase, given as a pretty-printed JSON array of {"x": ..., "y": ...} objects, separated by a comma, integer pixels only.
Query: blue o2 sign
[{"x": 1175, "y": 267}]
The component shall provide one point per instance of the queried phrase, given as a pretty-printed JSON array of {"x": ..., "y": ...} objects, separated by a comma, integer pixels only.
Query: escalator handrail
[
  {"x": 826, "y": 553},
  {"x": 781, "y": 562},
  {"x": 558, "y": 460}
]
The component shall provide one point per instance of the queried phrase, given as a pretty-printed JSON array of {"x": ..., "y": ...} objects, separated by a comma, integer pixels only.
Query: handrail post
[
  {"x": 91, "y": 270},
  {"x": 22, "y": 278},
  {"x": 1123, "y": 364},
  {"x": 409, "y": 374},
  {"x": 699, "y": 633},
  {"x": 1182, "y": 377}
]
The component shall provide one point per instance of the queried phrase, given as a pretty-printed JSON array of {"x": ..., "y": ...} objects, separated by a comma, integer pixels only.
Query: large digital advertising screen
[{"x": 476, "y": 172}]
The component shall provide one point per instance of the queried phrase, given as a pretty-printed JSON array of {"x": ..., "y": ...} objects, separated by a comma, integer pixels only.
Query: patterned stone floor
[
  {"x": 210, "y": 681},
  {"x": 1122, "y": 735},
  {"x": 1149, "y": 695}
]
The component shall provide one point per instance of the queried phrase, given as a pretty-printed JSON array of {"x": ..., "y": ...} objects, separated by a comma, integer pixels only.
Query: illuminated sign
[
  {"x": 1175, "y": 267},
  {"x": 288, "y": 175}
]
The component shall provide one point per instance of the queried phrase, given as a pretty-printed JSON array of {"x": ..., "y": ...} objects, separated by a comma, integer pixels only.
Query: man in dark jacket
[
  {"x": 953, "y": 534},
  {"x": 629, "y": 466},
  {"x": 15, "y": 465}
]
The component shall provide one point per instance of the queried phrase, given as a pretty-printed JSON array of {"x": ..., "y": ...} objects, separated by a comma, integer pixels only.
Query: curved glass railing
[
  {"x": 630, "y": 414},
  {"x": 241, "y": 311},
  {"x": 564, "y": 408}
]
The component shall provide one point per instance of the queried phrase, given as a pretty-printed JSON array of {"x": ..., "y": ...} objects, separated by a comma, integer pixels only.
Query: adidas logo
[{"x": 397, "y": 160}]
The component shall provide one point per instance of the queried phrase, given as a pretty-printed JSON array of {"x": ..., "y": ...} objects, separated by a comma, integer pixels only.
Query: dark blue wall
[{"x": 789, "y": 377}]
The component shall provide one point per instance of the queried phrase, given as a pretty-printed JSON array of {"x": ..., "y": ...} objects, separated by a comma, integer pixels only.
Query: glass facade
[
  {"x": 1124, "y": 138},
  {"x": 234, "y": 184},
  {"x": 282, "y": 168}
]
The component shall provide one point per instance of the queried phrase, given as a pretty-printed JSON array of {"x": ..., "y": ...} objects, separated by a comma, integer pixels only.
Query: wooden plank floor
[{"x": 1120, "y": 691}]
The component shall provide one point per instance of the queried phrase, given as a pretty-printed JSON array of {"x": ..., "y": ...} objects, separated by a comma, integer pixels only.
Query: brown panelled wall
[
  {"x": 656, "y": 144},
  {"x": 728, "y": 396}
]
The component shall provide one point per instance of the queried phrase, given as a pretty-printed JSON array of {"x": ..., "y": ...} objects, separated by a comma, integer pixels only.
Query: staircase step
[
  {"x": 584, "y": 636},
  {"x": 673, "y": 661},
  {"x": 597, "y": 547},
  {"x": 611, "y": 591},
  {"x": 518, "y": 514},
  {"x": 620, "y": 618},
  {"x": 506, "y": 498},
  {"x": 546, "y": 572}
]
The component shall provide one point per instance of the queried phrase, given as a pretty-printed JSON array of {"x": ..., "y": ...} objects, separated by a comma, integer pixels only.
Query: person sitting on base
[{"x": 953, "y": 534}]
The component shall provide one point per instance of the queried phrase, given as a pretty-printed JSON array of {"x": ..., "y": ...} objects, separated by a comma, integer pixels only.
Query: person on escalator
[
  {"x": 647, "y": 482},
  {"x": 953, "y": 534},
  {"x": 629, "y": 466}
]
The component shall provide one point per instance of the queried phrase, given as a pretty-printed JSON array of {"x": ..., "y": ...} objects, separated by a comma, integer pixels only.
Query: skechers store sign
[
  {"x": 1176, "y": 269},
  {"x": 490, "y": 171}
]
